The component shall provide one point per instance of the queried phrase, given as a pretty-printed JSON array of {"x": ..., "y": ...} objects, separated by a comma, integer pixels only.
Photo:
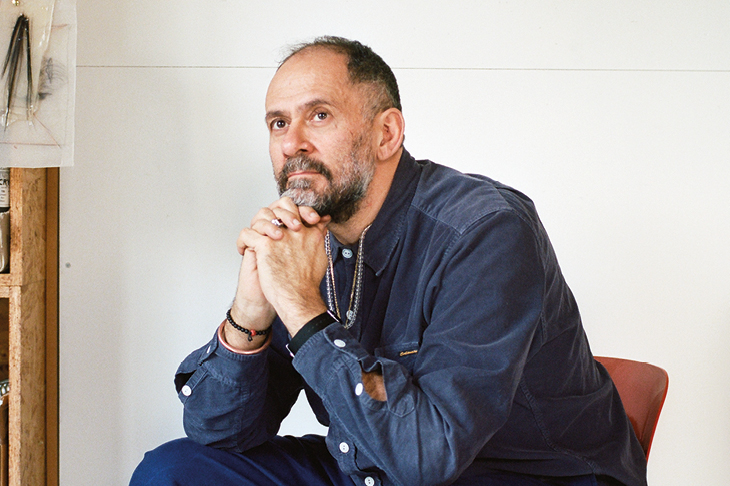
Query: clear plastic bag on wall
[{"x": 37, "y": 114}]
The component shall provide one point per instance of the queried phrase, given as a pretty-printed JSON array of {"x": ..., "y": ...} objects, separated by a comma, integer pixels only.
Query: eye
[
  {"x": 278, "y": 124},
  {"x": 321, "y": 116}
]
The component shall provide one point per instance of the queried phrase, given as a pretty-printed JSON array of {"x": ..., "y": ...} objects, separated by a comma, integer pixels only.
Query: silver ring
[{"x": 278, "y": 222}]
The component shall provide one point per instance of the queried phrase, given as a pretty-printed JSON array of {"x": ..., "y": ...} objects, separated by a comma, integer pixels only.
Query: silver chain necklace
[{"x": 356, "y": 292}]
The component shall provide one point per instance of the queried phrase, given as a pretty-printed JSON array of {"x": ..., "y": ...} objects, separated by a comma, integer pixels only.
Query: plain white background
[{"x": 613, "y": 116}]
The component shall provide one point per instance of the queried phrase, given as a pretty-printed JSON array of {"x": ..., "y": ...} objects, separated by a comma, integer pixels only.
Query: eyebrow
[{"x": 306, "y": 106}]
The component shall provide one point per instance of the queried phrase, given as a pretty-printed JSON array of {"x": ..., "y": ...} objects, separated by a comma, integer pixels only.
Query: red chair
[{"x": 642, "y": 388}]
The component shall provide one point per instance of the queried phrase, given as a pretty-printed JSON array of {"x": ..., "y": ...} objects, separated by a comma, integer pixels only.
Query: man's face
[{"x": 320, "y": 142}]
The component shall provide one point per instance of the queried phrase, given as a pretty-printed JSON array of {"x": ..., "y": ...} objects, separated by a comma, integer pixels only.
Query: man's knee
[
  {"x": 167, "y": 465},
  {"x": 284, "y": 460}
]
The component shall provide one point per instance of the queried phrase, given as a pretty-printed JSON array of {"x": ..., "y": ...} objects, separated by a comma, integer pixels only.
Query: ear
[{"x": 390, "y": 128}]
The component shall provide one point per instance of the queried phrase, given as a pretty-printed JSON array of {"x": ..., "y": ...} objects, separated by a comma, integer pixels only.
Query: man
[{"x": 422, "y": 311}]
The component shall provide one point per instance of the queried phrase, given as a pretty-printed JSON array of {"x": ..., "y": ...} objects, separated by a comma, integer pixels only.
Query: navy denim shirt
[{"x": 467, "y": 316}]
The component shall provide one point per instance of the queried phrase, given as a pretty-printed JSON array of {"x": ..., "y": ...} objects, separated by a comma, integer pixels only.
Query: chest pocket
[{"x": 403, "y": 353}]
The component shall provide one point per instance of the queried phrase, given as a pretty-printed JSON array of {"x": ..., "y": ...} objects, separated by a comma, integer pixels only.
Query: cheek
[
  {"x": 273, "y": 147},
  {"x": 277, "y": 159},
  {"x": 335, "y": 147}
]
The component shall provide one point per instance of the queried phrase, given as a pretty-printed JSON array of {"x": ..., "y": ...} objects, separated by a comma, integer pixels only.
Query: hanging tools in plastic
[{"x": 17, "y": 58}]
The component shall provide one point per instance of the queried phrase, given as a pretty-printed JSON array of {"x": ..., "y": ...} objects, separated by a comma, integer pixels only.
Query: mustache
[{"x": 304, "y": 163}]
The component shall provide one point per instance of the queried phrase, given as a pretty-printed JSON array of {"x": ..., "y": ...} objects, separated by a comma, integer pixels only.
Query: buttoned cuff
[
  {"x": 324, "y": 353},
  {"x": 310, "y": 329}
]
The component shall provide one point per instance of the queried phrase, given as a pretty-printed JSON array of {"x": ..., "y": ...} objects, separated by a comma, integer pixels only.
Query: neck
[{"x": 348, "y": 233}]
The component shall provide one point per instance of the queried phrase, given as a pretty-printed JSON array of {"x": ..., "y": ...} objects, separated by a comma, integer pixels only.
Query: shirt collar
[{"x": 389, "y": 224}]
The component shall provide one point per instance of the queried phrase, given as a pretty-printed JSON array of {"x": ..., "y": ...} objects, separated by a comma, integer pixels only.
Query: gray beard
[{"x": 341, "y": 199}]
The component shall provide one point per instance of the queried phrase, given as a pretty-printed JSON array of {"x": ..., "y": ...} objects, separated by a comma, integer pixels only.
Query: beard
[{"x": 344, "y": 192}]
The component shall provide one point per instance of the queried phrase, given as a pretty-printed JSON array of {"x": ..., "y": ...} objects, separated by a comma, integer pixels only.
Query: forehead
[{"x": 313, "y": 74}]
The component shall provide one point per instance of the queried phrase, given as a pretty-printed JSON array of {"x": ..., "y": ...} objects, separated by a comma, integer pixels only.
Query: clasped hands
[
  {"x": 282, "y": 267},
  {"x": 281, "y": 271}
]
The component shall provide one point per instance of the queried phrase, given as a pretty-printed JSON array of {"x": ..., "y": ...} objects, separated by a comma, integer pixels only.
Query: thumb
[
  {"x": 310, "y": 216},
  {"x": 322, "y": 224}
]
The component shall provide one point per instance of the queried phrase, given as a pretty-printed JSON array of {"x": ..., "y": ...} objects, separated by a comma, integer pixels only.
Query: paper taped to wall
[{"x": 38, "y": 82}]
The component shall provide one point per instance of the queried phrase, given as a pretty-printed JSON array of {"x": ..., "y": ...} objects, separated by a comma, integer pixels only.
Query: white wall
[{"x": 613, "y": 116}]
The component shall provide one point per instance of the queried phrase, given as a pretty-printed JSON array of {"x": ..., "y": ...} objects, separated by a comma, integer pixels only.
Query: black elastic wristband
[{"x": 310, "y": 329}]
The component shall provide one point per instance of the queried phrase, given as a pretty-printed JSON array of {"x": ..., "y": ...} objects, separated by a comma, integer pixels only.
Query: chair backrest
[{"x": 642, "y": 388}]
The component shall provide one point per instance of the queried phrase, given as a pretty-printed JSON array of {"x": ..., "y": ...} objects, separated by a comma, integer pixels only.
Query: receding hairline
[
  {"x": 369, "y": 89},
  {"x": 304, "y": 49},
  {"x": 378, "y": 81}
]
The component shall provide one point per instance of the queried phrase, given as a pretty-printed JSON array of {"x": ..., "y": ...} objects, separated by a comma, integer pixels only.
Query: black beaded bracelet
[
  {"x": 250, "y": 332},
  {"x": 310, "y": 329}
]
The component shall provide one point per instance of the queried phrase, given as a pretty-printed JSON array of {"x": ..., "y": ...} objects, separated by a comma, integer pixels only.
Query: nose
[{"x": 296, "y": 140}]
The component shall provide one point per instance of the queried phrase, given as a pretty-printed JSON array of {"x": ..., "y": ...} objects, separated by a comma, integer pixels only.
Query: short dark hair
[{"x": 364, "y": 66}]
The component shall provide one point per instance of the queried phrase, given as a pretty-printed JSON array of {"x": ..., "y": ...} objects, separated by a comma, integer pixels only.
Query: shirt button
[
  {"x": 344, "y": 448},
  {"x": 347, "y": 253},
  {"x": 369, "y": 481},
  {"x": 339, "y": 343},
  {"x": 358, "y": 389},
  {"x": 186, "y": 390}
]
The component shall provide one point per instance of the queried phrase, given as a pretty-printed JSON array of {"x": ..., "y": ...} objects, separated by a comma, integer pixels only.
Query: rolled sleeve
[{"x": 222, "y": 393}]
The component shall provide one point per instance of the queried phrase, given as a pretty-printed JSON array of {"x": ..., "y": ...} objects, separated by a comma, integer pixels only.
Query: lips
[
  {"x": 304, "y": 173},
  {"x": 299, "y": 171},
  {"x": 302, "y": 165}
]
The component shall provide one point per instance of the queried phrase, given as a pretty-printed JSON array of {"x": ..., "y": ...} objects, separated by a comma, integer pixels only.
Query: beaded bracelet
[{"x": 250, "y": 332}]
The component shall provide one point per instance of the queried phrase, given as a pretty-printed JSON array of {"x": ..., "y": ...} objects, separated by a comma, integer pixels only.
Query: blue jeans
[{"x": 284, "y": 461}]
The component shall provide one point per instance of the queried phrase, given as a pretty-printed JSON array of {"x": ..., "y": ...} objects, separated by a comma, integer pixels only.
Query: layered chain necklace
[{"x": 356, "y": 292}]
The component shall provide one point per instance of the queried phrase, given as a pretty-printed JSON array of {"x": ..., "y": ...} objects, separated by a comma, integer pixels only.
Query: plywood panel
[
  {"x": 27, "y": 378},
  {"x": 4, "y": 338},
  {"x": 27, "y": 225}
]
